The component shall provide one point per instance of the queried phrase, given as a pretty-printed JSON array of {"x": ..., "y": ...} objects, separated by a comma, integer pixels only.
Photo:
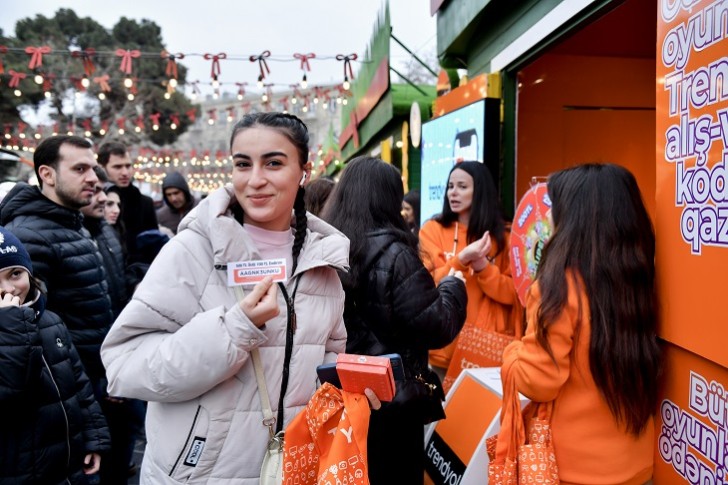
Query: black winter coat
[
  {"x": 395, "y": 307},
  {"x": 50, "y": 417},
  {"x": 70, "y": 265},
  {"x": 112, "y": 253},
  {"x": 138, "y": 214}
]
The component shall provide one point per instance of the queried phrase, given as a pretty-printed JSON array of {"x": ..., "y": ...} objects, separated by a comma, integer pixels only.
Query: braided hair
[{"x": 296, "y": 131}]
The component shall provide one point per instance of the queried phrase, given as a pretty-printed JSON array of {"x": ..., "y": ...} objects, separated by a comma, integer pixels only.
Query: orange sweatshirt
[
  {"x": 492, "y": 286},
  {"x": 590, "y": 447}
]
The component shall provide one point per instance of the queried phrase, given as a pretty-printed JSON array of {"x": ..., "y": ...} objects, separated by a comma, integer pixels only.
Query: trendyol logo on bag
[
  {"x": 443, "y": 466},
  {"x": 686, "y": 442}
]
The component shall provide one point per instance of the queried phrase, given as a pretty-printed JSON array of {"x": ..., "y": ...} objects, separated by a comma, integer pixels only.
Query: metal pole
[
  {"x": 412, "y": 53},
  {"x": 408, "y": 81}
]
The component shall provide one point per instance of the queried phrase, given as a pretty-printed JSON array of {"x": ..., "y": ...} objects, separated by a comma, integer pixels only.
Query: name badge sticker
[{"x": 251, "y": 272}]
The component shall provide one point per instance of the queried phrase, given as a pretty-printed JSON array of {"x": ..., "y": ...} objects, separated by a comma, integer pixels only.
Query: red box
[{"x": 358, "y": 372}]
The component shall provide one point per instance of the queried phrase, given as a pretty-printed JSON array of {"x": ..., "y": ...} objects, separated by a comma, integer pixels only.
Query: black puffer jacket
[
  {"x": 394, "y": 307},
  {"x": 112, "y": 253},
  {"x": 69, "y": 263},
  {"x": 50, "y": 417}
]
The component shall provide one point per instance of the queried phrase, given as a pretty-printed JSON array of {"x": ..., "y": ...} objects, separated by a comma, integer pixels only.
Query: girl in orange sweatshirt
[
  {"x": 590, "y": 345},
  {"x": 470, "y": 236}
]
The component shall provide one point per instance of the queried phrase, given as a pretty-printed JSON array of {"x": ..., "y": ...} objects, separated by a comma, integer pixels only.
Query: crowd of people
[{"x": 118, "y": 322}]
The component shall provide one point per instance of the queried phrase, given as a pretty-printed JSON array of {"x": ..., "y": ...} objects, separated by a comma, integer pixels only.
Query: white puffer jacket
[{"x": 183, "y": 344}]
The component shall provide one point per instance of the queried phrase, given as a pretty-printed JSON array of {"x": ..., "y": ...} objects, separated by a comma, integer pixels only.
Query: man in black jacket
[
  {"x": 137, "y": 210},
  {"x": 48, "y": 222}
]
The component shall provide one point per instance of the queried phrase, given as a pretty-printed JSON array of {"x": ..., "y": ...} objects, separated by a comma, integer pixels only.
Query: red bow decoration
[
  {"x": 193, "y": 153},
  {"x": 175, "y": 119},
  {"x": 196, "y": 87},
  {"x": 88, "y": 63},
  {"x": 139, "y": 121},
  {"x": 105, "y": 126},
  {"x": 212, "y": 113},
  {"x": 305, "y": 66},
  {"x": 192, "y": 115},
  {"x": 126, "y": 57},
  {"x": 77, "y": 83},
  {"x": 36, "y": 53},
  {"x": 3, "y": 50},
  {"x": 241, "y": 88},
  {"x": 231, "y": 112},
  {"x": 155, "y": 118},
  {"x": 86, "y": 124},
  {"x": 103, "y": 82},
  {"x": 296, "y": 92},
  {"x": 121, "y": 122},
  {"x": 347, "y": 63},
  {"x": 21, "y": 127},
  {"x": 15, "y": 78},
  {"x": 171, "y": 69},
  {"x": 56, "y": 125},
  {"x": 48, "y": 82},
  {"x": 284, "y": 103},
  {"x": 262, "y": 64},
  {"x": 215, "y": 69}
]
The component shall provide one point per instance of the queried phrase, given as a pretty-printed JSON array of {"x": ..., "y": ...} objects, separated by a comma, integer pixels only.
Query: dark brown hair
[{"x": 603, "y": 242}]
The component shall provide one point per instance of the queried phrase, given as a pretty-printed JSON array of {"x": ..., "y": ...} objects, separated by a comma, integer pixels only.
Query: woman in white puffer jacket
[{"x": 183, "y": 343}]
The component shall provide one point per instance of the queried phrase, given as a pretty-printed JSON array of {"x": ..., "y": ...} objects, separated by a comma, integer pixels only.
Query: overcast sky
[{"x": 245, "y": 27}]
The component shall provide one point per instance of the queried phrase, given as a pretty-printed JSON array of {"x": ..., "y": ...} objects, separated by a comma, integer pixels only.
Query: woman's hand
[
  {"x": 91, "y": 463},
  {"x": 476, "y": 253},
  {"x": 261, "y": 304},
  {"x": 9, "y": 300},
  {"x": 457, "y": 274},
  {"x": 374, "y": 401}
]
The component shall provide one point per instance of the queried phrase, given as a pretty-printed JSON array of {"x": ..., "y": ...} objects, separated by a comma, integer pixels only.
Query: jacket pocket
[{"x": 192, "y": 449}]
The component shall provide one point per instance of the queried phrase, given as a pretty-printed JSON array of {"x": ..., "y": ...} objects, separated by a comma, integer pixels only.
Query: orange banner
[
  {"x": 692, "y": 421},
  {"x": 691, "y": 175}
]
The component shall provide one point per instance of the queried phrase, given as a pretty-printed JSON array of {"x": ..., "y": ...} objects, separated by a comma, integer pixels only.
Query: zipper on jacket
[
  {"x": 187, "y": 441},
  {"x": 65, "y": 415}
]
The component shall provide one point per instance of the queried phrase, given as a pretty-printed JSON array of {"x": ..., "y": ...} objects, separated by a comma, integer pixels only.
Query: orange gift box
[{"x": 358, "y": 372}]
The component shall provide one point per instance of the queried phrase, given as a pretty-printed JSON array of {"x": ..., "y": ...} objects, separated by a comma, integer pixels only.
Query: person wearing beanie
[
  {"x": 54, "y": 430},
  {"x": 178, "y": 201}
]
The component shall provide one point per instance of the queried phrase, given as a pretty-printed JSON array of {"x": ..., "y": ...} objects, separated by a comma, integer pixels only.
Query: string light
[{"x": 38, "y": 79}]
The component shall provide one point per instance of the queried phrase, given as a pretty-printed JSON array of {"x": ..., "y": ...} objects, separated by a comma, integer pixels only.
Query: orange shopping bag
[{"x": 518, "y": 456}]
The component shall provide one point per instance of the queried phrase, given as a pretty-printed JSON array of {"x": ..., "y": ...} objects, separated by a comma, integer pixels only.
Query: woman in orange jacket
[
  {"x": 590, "y": 346},
  {"x": 470, "y": 236}
]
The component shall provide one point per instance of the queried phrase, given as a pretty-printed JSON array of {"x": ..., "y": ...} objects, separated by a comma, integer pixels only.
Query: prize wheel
[{"x": 530, "y": 230}]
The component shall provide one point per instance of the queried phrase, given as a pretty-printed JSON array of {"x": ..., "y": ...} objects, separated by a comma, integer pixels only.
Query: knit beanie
[{"x": 12, "y": 252}]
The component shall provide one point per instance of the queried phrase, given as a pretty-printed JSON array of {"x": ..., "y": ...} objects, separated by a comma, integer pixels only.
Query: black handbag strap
[{"x": 290, "y": 330}]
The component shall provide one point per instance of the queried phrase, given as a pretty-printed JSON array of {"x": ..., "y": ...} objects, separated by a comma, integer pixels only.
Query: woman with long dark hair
[
  {"x": 470, "y": 235},
  {"x": 392, "y": 306},
  {"x": 187, "y": 342},
  {"x": 591, "y": 345}
]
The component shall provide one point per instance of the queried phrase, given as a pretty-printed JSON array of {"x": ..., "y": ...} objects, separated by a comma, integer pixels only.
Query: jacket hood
[
  {"x": 378, "y": 241},
  {"x": 212, "y": 218},
  {"x": 27, "y": 200},
  {"x": 176, "y": 180}
]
